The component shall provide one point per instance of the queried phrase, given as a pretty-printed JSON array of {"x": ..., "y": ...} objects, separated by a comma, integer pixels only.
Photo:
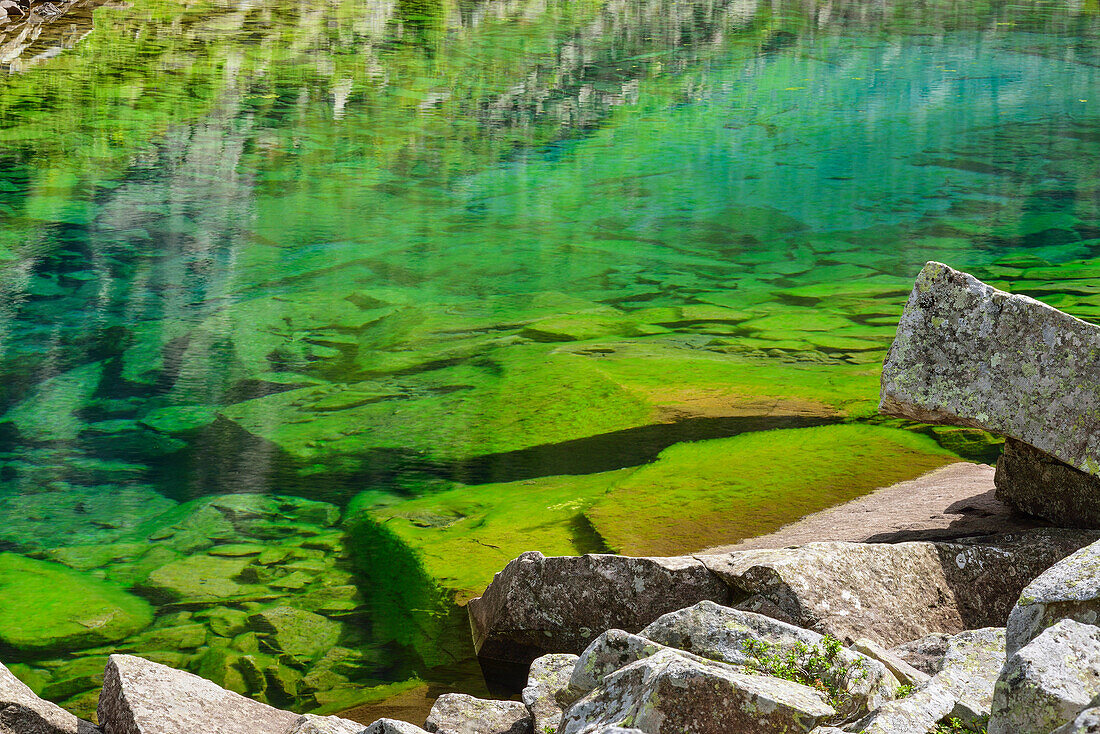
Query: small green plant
[
  {"x": 904, "y": 691},
  {"x": 549, "y": 729},
  {"x": 954, "y": 725},
  {"x": 821, "y": 666}
]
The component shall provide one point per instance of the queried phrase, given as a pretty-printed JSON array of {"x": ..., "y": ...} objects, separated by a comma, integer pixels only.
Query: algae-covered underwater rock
[
  {"x": 45, "y": 607},
  {"x": 714, "y": 492}
]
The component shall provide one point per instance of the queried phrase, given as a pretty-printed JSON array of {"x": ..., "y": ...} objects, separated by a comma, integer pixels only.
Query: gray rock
[
  {"x": 918, "y": 713},
  {"x": 669, "y": 692},
  {"x": 924, "y": 654},
  {"x": 1047, "y": 683},
  {"x": 903, "y": 671},
  {"x": 724, "y": 634},
  {"x": 970, "y": 668},
  {"x": 1087, "y": 722},
  {"x": 614, "y": 650},
  {"x": 22, "y": 712},
  {"x": 539, "y": 605},
  {"x": 968, "y": 354},
  {"x": 828, "y": 730},
  {"x": 962, "y": 689},
  {"x": 392, "y": 726},
  {"x": 547, "y": 692},
  {"x": 457, "y": 713},
  {"x": 619, "y": 730},
  {"x": 891, "y": 593},
  {"x": 143, "y": 697},
  {"x": 310, "y": 724},
  {"x": 1039, "y": 484},
  {"x": 720, "y": 633},
  {"x": 1070, "y": 589}
]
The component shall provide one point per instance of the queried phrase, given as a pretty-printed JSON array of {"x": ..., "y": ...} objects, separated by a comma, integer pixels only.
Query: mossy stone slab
[
  {"x": 180, "y": 419},
  {"x": 46, "y": 607},
  {"x": 200, "y": 580},
  {"x": 301, "y": 635},
  {"x": 720, "y": 491},
  {"x": 48, "y": 413}
]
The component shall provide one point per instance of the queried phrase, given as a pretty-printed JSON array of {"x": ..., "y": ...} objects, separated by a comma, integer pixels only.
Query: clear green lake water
[{"x": 315, "y": 315}]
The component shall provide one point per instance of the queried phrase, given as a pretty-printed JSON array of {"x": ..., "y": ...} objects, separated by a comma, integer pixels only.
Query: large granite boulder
[
  {"x": 968, "y": 354},
  {"x": 457, "y": 713},
  {"x": 310, "y": 724},
  {"x": 539, "y": 605},
  {"x": 962, "y": 689},
  {"x": 1049, "y": 681},
  {"x": 737, "y": 637},
  {"x": 893, "y": 593},
  {"x": 392, "y": 726},
  {"x": 970, "y": 668},
  {"x": 1070, "y": 589},
  {"x": 1039, "y": 484},
  {"x": 22, "y": 712},
  {"x": 547, "y": 692},
  {"x": 918, "y": 713},
  {"x": 669, "y": 692},
  {"x": 143, "y": 697},
  {"x": 614, "y": 650},
  {"x": 1087, "y": 722}
]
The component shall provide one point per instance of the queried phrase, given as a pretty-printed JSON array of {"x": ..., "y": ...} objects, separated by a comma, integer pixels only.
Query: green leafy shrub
[
  {"x": 954, "y": 725},
  {"x": 820, "y": 666}
]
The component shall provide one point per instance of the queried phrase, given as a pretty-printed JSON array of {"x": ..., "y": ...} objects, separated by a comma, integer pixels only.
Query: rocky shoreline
[{"x": 962, "y": 630}]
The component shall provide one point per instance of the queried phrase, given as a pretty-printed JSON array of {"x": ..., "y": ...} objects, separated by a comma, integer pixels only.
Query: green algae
[
  {"x": 338, "y": 307},
  {"x": 721, "y": 491},
  {"x": 488, "y": 525},
  {"x": 45, "y": 607}
]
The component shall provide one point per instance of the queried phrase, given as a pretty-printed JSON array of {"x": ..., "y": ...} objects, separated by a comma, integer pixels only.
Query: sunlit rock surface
[{"x": 971, "y": 355}]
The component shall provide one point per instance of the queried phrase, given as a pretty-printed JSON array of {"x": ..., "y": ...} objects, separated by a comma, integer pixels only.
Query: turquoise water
[{"x": 260, "y": 261}]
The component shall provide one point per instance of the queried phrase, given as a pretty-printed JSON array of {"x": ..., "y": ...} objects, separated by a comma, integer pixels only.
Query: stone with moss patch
[{"x": 45, "y": 607}]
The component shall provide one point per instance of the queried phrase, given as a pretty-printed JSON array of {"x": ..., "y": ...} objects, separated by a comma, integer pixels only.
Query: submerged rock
[
  {"x": 45, "y": 607},
  {"x": 1046, "y": 683},
  {"x": 1039, "y": 484},
  {"x": 669, "y": 692},
  {"x": 538, "y": 604},
  {"x": 968, "y": 354},
  {"x": 891, "y": 593},
  {"x": 457, "y": 713},
  {"x": 1070, "y": 589},
  {"x": 22, "y": 712},
  {"x": 142, "y": 697}
]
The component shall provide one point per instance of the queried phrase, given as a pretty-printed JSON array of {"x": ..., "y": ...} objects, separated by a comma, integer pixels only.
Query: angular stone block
[
  {"x": 540, "y": 605},
  {"x": 668, "y": 692},
  {"x": 457, "y": 713},
  {"x": 1049, "y": 681},
  {"x": 1070, "y": 589},
  {"x": 968, "y": 354},
  {"x": 1038, "y": 484},
  {"x": 143, "y": 697}
]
